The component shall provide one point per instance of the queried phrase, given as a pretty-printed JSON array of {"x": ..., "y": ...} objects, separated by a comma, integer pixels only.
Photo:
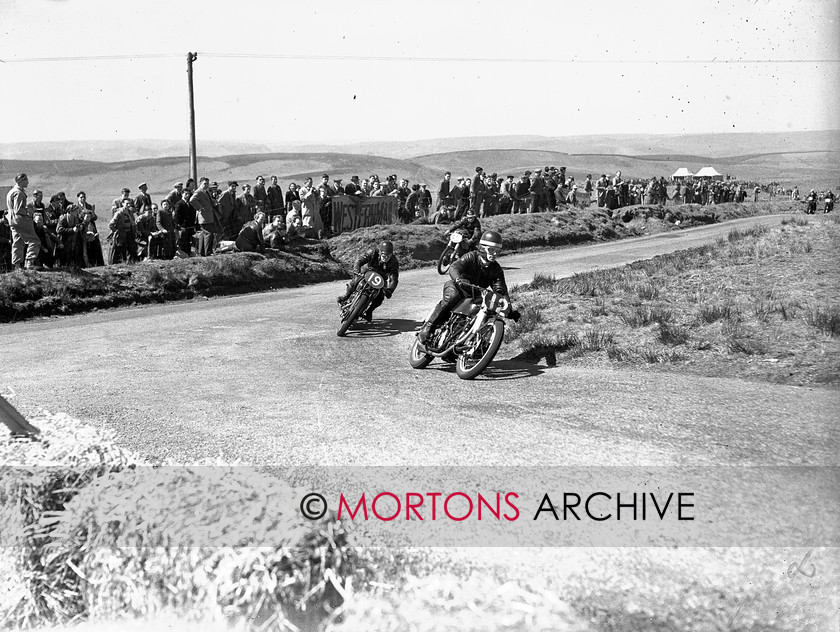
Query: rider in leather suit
[
  {"x": 478, "y": 267},
  {"x": 382, "y": 260},
  {"x": 469, "y": 224}
]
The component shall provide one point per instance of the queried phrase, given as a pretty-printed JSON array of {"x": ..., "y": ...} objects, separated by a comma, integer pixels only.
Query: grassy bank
[
  {"x": 761, "y": 304},
  {"x": 25, "y": 294}
]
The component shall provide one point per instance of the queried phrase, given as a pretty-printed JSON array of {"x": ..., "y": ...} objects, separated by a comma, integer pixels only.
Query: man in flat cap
[
  {"x": 175, "y": 194},
  {"x": 143, "y": 199},
  {"x": 25, "y": 242},
  {"x": 205, "y": 217},
  {"x": 118, "y": 202}
]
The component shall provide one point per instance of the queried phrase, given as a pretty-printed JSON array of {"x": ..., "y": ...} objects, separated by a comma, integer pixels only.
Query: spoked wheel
[
  {"x": 487, "y": 343},
  {"x": 416, "y": 358},
  {"x": 360, "y": 303},
  {"x": 445, "y": 260}
]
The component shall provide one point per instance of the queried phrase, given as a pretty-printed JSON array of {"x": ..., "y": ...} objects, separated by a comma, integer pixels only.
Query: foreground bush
[{"x": 98, "y": 534}]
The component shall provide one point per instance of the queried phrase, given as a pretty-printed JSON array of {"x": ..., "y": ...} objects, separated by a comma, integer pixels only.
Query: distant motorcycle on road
[
  {"x": 471, "y": 336},
  {"x": 456, "y": 247},
  {"x": 369, "y": 286}
]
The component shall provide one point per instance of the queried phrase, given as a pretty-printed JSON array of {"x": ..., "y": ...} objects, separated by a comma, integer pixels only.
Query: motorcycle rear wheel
[
  {"x": 360, "y": 303},
  {"x": 490, "y": 339},
  {"x": 416, "y": 358}
]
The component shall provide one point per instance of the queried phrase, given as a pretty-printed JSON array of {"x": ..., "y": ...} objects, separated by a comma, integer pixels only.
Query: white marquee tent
[
  {"x": 709, "y": 172},
  {"x": 682, "y": 172}
]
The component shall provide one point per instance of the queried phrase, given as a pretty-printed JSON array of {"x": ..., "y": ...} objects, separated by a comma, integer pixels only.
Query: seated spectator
[
  {"x": 250, "y": 238},
  {"x": 274, "y": 234},
  {"x": 47, "y": 255},
  {"x": 146, "y": 231}
]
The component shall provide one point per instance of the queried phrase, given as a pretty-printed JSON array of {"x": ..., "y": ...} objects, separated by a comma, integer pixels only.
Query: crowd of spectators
[{"x": 203, "y": 218}]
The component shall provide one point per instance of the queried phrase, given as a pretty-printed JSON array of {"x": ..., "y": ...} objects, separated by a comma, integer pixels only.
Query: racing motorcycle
[
  {"x": 470, "y": 337},
  {"x": 456, "y": 247},
  {"x": 829, "y": 204},
  {"x": 368, "y": 287},
  {"x": 812, "y": 204}
]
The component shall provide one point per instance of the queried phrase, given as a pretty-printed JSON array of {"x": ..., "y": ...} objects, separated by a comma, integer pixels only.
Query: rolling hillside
[{"x": 103, "y": 180}]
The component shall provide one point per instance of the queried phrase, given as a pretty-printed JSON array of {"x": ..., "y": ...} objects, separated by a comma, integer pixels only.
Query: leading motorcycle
[
  {"x": 471, "y": 336},
  {"x": 370, "y": 284}
]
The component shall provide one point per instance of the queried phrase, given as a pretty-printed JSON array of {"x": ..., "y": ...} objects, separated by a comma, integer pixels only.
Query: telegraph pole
[{"x": 191, "y": 57}]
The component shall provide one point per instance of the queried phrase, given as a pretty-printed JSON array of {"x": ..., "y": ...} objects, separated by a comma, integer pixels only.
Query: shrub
[
  {"x": 673, "y": 335},
  {"x": 826, "y": 318}
]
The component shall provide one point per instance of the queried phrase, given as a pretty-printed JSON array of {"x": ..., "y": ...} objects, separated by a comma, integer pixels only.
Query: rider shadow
[
  {"x": 499, "y": 370},
  {"x": 381, "y": 328}
]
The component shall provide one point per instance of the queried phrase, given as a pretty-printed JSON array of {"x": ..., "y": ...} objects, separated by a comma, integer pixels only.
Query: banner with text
[{"x": 350, "y": 214}]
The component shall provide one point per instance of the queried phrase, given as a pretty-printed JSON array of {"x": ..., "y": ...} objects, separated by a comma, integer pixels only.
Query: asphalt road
[{"x": 263, "y": 378}]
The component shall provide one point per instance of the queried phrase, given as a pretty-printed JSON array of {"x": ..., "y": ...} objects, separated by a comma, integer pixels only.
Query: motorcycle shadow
[
  {"x": 381, "y": 328},
  {"x": 498, "y": 370}
]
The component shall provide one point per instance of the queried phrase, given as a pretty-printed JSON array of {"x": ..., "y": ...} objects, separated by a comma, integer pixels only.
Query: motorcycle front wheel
[
  {"x": 488, "y": 341},
  {"x": 445, "y": 260},
  {"x": 360, "y": 303},
  {"x": 416, "y": 358}
]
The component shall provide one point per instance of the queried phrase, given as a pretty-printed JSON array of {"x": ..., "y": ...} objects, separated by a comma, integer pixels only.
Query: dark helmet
[
  {"x": 386, "y": 247},
  {"x": 470, "y": 214},
  {"x": 490, "y": 245}
]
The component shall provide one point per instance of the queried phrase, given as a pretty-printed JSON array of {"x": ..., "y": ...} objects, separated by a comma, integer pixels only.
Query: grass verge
[
  {"x": 25, "y": 294},
  {"x": 759, "y": 304}
]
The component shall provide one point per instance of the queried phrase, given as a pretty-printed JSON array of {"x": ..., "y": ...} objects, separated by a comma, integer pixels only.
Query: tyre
[
  {"x": 416, "y": 358},
  {"x": 445, "y": 260},
  {"x": 488, "y": 343},
  {"x": 360, "y": 304}
]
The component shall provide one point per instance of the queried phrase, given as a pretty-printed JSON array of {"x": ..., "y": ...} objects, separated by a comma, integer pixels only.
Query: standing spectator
[
  {"x": 412, "y": 201},
  {"x": 205, "y": 216},
  {"x": 91, "y": 246},
  {"x": 444, "y": 192},
  {"x": 354, "y": 189},
  {"x": 69, "y": 230},
  {"x": 25, "y": 243},
  {"x": 275, "y": 200},
  {"x": 535, "y": 192},
  {"x": 146, "y": 231},
  {"x": 118, "y": 202},
  {"x": 601, "y": 190},
  {"x": 325, "y": 197},
  {"x": 245, "y": 208},
  {"x": 165, "y": 238},
  {"x": 143, "y": 199},
  {"x": 477, "y": 190},
  {"x": 5, "y": 242},
  {"x": 260, "y": 194},
  {"x": 424, "y": 201},
  {"x": 520, "y": 194},
  {"x": 292, "y": 200},
  {"x": 227, "y": 210},
  {"x": 184, "y": 218},
  {"x": 309, "y": 217},
  {"x": 49, "y": 242},
  {"x": 38, "y": 200},
  {"x": 401, "y": 193},
  {"x": 587, "y": 188},
  {"x": 455, "y": 194},
  {"x": 123, "y": 244},
  {"x": 756, "y": 191},
  {"x": 174, "y": 196}
]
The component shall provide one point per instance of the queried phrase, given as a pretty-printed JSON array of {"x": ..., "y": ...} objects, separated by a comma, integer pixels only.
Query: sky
[{"x": 336, "y": 71}]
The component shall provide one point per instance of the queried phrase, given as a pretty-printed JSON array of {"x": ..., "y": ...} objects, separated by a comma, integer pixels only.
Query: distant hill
[{"x": 711, "y": 145}]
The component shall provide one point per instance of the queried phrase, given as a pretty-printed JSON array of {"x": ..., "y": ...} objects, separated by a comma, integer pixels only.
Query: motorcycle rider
[
  {"x": 471, "y": 226},
  {"x": 812, "y": 202},
  {"x": 382, "y": 260},
  {"x": 478, "y": 267},
  {"x": 829, "y": 201}
]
